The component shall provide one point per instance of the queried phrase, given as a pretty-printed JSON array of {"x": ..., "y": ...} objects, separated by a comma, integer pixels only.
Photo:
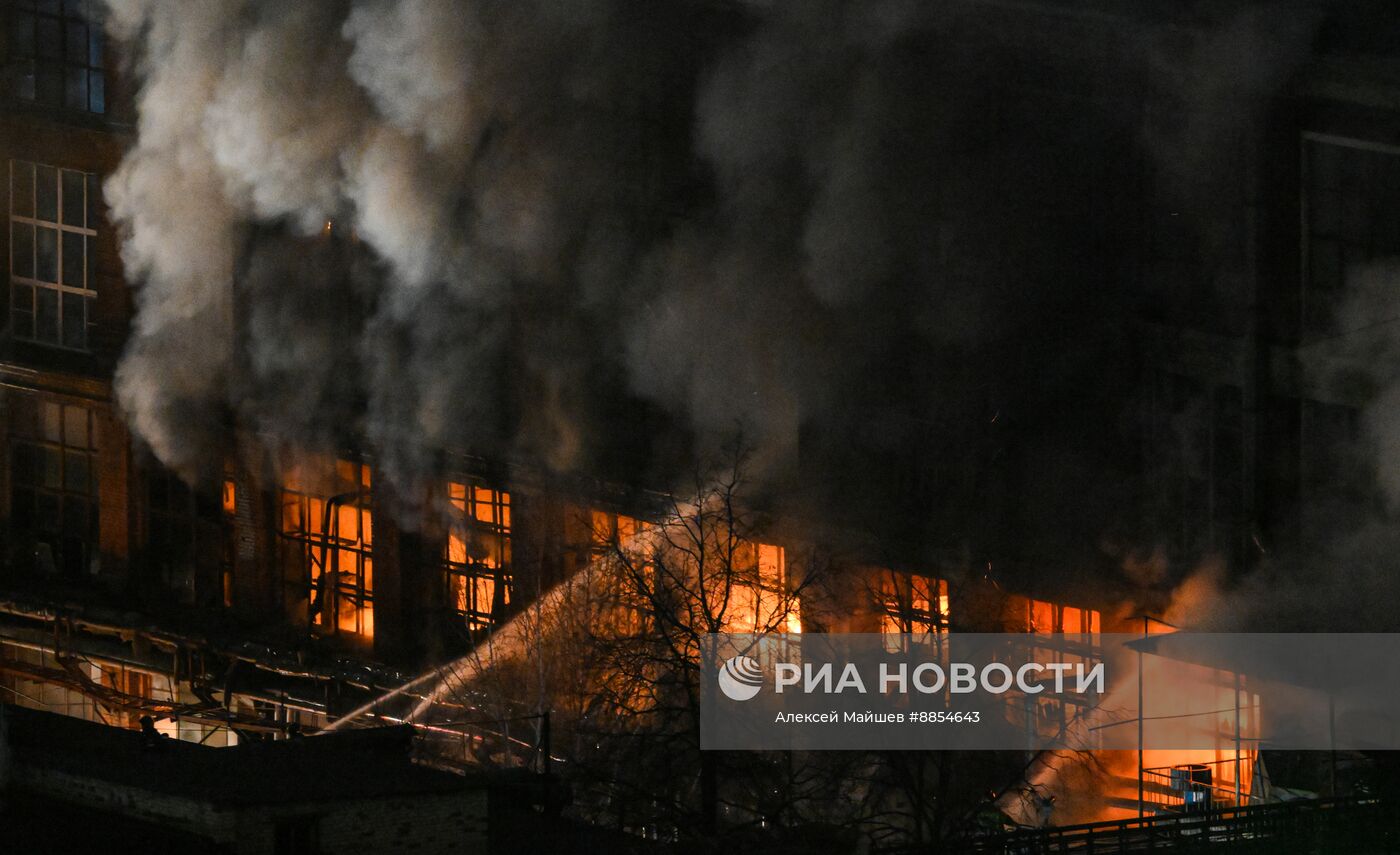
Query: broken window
[
  {"x": 326, "y": 523},
  {"x": 53, "y": 486},
  {"x": 476, "y": 558},
  {"x": 56, "y": 54},
  {"x": 53, "y": 226},
  {"x": 127, "y": 686},
  {"x": 912, "y": 605}
]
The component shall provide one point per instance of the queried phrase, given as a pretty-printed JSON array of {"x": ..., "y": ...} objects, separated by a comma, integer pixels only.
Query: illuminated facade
[{"x": 232, "y": 605}]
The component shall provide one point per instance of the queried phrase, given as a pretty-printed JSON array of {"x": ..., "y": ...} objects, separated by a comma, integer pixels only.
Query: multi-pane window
[
  {"x": 185, "y": 539},
  {"x": 1059, "y": 633},
  {"x": 477, "y": 555},
  {"x": 327, "y": 529},
  {"x": 53, "y": 485},
  {"x": 1044, "y": 618},
  {"x": 53, "y": 226},
  {"x": 912, "y": 606},
  {"x": 592, "y": 534},
  {"x": 56, "y": 54},
  {"x": 625, "y": 588},
  {"x": 759, "y": 600}
]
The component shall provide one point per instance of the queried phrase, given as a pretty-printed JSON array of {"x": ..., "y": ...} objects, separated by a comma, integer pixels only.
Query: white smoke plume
[
  {"x": 569, "y": 228},
  {"x": 520, "y": 176}
]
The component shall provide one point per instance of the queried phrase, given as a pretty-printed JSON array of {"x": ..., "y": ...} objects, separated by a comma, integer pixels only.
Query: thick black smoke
[{"x": 902, "y": 244}]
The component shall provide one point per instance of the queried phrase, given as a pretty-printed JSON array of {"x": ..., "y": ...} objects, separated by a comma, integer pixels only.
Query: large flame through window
[
  {"x": 477, "y": 554},
  {"x": 327, "y": 526}
]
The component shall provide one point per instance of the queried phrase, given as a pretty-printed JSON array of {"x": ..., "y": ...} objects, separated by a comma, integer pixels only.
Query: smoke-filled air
[{"x": 606, "y": 236}]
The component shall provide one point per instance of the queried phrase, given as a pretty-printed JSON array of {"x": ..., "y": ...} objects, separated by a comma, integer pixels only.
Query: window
[
  {"x": 185, "y": 540},
  {"x": 229, "y": 506},
  {"x": 327, "y": 530},
  {"x": 53, "y": 224},
  {"x": 1045, "y": 618},
  {"x": 914, "y": 606},
  {"x": 477, "y": 555},
  {"x": 53, "y": 494},
  {"x": 127, "y": 686},
  {"x": 1351, "y": 218},
  {"x": 56, "y": 54},
  {"x": 759, "y": 600},
  {"x": 593, "y": 538}
]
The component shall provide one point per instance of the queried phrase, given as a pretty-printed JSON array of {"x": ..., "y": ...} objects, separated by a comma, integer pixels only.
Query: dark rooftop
[{"x": 349, "y": 765}]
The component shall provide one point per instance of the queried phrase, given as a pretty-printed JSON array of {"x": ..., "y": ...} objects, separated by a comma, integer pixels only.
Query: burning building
[{"x": 352, "y": 348}]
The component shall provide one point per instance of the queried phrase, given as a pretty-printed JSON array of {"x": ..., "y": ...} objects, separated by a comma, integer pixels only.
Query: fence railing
[{"x": 1329, "y": 821}]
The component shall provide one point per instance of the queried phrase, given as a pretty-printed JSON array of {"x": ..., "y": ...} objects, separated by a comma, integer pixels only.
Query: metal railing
[{"x": 1332, "y": 824}]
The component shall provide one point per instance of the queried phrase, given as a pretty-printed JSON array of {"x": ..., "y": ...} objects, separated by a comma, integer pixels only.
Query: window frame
[
  {"x": 44, "y": 443},
  {"x": 26, "y": 58},
  {"x": 87, "y": 233},
  {"x": 317, "y": 549},
  {"x": 465, "y": 579}
]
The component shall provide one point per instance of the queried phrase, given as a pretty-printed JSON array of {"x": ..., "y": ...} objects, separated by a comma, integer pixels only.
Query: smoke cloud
[{"x": 892, "y": 240}]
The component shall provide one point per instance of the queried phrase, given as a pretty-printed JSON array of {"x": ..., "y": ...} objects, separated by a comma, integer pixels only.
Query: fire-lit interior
[
  {"x": 477, "y": 556},
  {"x": 328, "y": 535}
]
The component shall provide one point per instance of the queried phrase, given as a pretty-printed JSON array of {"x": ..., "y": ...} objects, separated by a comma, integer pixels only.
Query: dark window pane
[
  {"x": 48, "y": 83},
  {"x": 46, "y": 511},
  {"x": 73, "y": 206},
  {"x": 22, "y": 296},
  {"x": 75, "y": 321},
  {"x": 22, "y": 509},
  {"x": 49, "y": 41},
  {"x": 46, "y": 193},
  {"x": 75, "y": 521},
  {"x": 75, "y": 472},
  {"x": 97, "y": 92},
  {"x": 50, "y": 467},
  {"x": 24, "y": 463},
  {"x": 22, "y": 249},
  {"x": 22, "y": 35},
  {"x": 23, "y": 76},
  {"x": 23, "y": 323},
  {"x": 46, "y": 254},
  {"x": 73, "y": 550},
  {"x": 73, "y": 266},
  {"x": 76, "y": 41},
  {"x": 75, "y": 92},
  {"x": 22, "y": 188},
  {"x": 95, "y": 47},
  {"x": 94, "y": 193},
  {"x": 46, "y": 318}
]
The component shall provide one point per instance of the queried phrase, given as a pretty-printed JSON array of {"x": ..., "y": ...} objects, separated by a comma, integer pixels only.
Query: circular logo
[{"x": 740, "y": 678}]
